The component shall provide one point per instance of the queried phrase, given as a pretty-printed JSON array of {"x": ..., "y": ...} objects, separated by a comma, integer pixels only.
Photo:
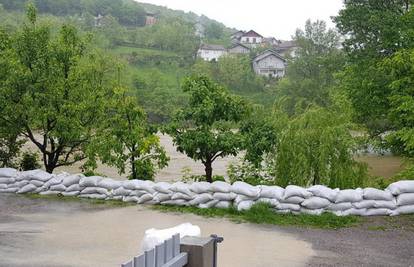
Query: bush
[{"x": 29, "y": 162}]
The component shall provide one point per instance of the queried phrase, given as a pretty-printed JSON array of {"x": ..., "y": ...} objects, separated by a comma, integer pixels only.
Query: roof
[
  {"x": 212, "y": 47},
  {"x": 252, "y": 33},
  {"x": 238, "y": 33},
  {"x": 267, "y": 53},
  {"x": 287, "y": 44},
  {"x": 239, "y": 44}
]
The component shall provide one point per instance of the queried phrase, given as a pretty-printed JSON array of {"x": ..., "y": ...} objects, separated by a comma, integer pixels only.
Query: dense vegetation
[{"x": 83, "y": 87}]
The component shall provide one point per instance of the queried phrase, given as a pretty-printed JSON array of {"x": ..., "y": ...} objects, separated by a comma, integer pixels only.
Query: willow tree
[{"x": 203, "y": 130}]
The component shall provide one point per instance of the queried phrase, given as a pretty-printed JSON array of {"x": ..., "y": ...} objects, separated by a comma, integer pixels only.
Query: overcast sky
[{"x": 278, "y": 18}]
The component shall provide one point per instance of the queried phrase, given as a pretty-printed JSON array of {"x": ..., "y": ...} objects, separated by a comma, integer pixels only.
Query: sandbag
[
  {"x": 53, "y": 181},
  {"x": 378, "y": 212},
  {"x": 109, "y": 184},
  {"x": 144, "y": 198},
  {"x": 74, "y": 187},
  {"x": 121, "y": 192},
  {"x": 200, "y": 199},
  {"x": 154, "y": 237},
  {"x": 409, "y": 209},
  {"x": 376, "y": 194},
  {"x": 180, "y": 187},
  {"x": 177, "y": 202},
  {"x": 36, "y": 175},
  {"x": 179, "y": 195},
  {"x": 223, "y": 205},
  {"x": 293, "y": 200},
  {"x": 274, "y": 192},
  {"x": 282, "y": 211},
  {"x": 130, "y": 199},
  {"x": 271, "y": 201},
  {"x": 355, "y": 212},
  {"x": 147, "y": 186},
  {"x": 137, "y": 193},
  {"x": 3, "y": 186},
  {"x": 49, "y": 193},
  {"x": 315, "y": 203},
  {"x": 224, "y": 196},
  {"x": 163, "y": 187},
  {"x": 296, "y": 191},
  {"x": 243, "y": 188},
  {"x": 161, "y": 197},
  {"x": 58, "y": 187},
  {"x": 324, "y": 192},
  {"x": 95, "y": 190},
  {"x": 405, "y": 199},
  {"x": 9, "y": 190},
  {"x": 240, "y": 198},
  {"x": 349, "y": 195},
  {"x": 8, "y": 180},
  {"x": 19, "y": 184},
  {"x": 37, "y": 183},
  {"x": 71, "y": 193},
  {"x": 315, "y": 212},
  {"x": 27, "y": 189},
  {"x": 93, "y": 196},
  {"x": 209, "y": 204},
  {"x": 392, "y": 204},
  {"x": 401, "y": 187},
  {"x": 364, "y": 204},
  {"x": 287, "y": 206},
  {"x": 200, "y": 187},
  {"x": 72, "y": 179},
  {"x": 340, "y": 206},
  {"x": 91, "y": 181},
  {"x": 245, "y": 205},
  {"x": 8, "y": 172},
  {"x": 220, "y": 187}
]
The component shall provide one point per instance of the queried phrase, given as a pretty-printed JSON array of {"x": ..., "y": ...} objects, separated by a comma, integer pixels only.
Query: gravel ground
[{"x": 377, "y": 241}]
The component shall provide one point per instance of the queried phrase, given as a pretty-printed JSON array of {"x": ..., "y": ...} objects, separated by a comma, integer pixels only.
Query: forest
[{"x": 85, "y": 92}]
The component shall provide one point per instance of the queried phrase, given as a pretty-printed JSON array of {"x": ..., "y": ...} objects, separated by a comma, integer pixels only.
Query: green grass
[
  {"x": 261, "y": 213},
  {"x": 126, "y": 50}
]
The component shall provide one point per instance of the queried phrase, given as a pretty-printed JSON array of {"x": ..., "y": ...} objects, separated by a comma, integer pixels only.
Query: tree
[
  {"x": 127, "y": 138},
  {"x": 53, "y": 90},
  {"x": 311, "y": 73},
  {"x": 203, "y": 129},
  {"x": 214, "y": 30}
]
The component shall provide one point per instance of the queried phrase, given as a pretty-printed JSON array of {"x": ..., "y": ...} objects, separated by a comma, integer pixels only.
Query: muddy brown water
[
  {"x": 43, "y": 233},
  {"x": 385, "y": 166}
]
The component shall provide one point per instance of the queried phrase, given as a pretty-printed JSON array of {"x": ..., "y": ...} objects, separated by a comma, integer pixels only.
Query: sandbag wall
[{"x": 397, "y": 199}]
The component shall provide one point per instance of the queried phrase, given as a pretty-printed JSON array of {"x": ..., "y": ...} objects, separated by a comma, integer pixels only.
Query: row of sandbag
[{"x": 397, "y": 199}]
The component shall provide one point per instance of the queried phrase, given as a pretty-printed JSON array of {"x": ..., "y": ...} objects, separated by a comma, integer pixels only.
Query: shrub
[{"x": 29, "y": 162}]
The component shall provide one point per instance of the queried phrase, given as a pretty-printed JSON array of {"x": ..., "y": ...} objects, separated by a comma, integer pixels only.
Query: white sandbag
[
  {"x": 27, "y": 189},
  {"x": 223, "y": 205},
  {"x": 315, "y": 212},
  {"x": 58, "y": 187},
  {"x": 36, "y": 175},
  {"x": 208, "y": 205},
  {"x": 95, "y": 190},
  {"x": 72, "y": 179},
  {"x": 163, "y": 187},
  {"x": 130, "y": 199},
  {"x": 315, "y": 203},
  {"x": 296, "y": 191},
  {"x": 177, "y": 202},
  {"x": 8, "y": 172},
  {"x": 349, "y": 195},
  {"x": 91, "y": 181},
  {"x": 405, "y": 199},
  {"x": 274, "y": 192},
  {"x": 288, "y": 206},
  {"x": 179, "y": 195},
  {"x": 181, "y": 187},
  {"x": 154, "y": 237},
  {"x": 144, "y": 198},
  {"x": 240, "y": 198},
  {"x": 220, "y": 187},
  {"x": 401, "y": 187},
  {"x": 324, "y": 192},
  {"x": 115, "y": 197},
  {"x": 282, "y": 211},
  {"x": 392, "y": 204},
  {"x": 409, "y": 209},
  {"x": 246, "y": 189},
  {"x": 355, "y": 212},
  {"x": 93, "y": 196},
  {"x": 9, "y": 190},
  {"x": 147, "y": 186},
  {"x": 271, "y": 201},
  {"x": 137, "y": 193},
  {"x": 39, "y": 189},
  {"x": 3, "y": 186},
  {"x": 378, "y": 212},
  {"x": 200, "y": 187},
  {"x": 50, "y": 193},
  {"x": 131, "y": 184},
  {"x": 245, "y": 205},
  {"x": 121, "y": 192},
  {"x": 74, "y": 187},
  {"x": 293, "y": 200},
  {"x": 224, "y": 196},
  {"x": 8, "y": 180},
  {"x": 364, "y": 204},
  {"x": 109, "y": 184},
  {"x": 19, "y": 184},
  {"x": 161, "y": 197},
  {"x": 53, "y": 181},
  {"x": 37, "y": 183},
  {"x": 340, "y": 206},
  {"x": 200, "y": 199},
  {"x": 71, "y": 193},
  {"x": 376, "y": 194}
]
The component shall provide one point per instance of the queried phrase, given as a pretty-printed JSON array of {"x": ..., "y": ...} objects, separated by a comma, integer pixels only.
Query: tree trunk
[
  {"x": 209, "y": 171},
  {"x": 133, "y": 168}
]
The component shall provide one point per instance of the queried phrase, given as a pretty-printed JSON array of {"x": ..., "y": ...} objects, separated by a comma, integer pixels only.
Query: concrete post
[{"x": 200, "y": 251}]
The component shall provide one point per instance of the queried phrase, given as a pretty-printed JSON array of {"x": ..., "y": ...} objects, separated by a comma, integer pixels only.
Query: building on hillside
[
  {"x": 150, "y": 19},
  {"x": 270, "y": 64},
  {"x": 210, "y": 52},
  {"x": 286, "y": 48},
  {"x": 271, "y": 41},
  {"x": 98, "y": 20},
  {"x": 239, "y": 49},
  {"x": 235, "y": 37},
  {"x": 251, "y": 38}
]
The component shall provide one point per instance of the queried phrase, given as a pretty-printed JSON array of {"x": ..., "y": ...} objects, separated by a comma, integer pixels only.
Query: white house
[
  {"x": 239, "y": 49},
  {"x": 251, "y": 38},
  {"x": 211, "y": 52},
  {"x": 286, "y": 48},
  {"x": 269, "y": 63}
]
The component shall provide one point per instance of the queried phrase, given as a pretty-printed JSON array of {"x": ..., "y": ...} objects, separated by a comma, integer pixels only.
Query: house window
[
  {"x": 247, "y": 39},
  {"x": 254, "y": 40}
]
